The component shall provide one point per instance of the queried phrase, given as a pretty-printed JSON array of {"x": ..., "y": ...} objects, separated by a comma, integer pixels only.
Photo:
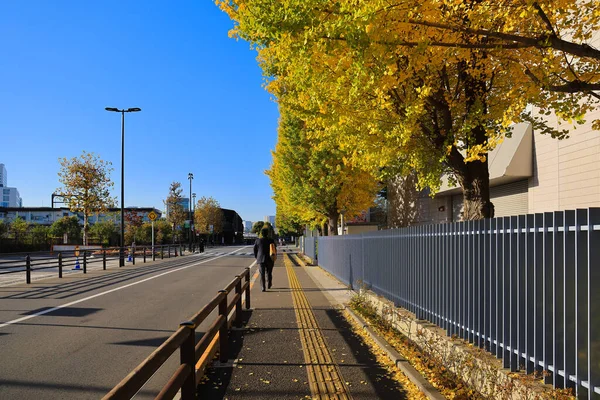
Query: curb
[{"x": 401, "y": 363}]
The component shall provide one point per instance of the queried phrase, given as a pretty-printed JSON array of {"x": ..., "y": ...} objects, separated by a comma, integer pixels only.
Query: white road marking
[{"x": 15, "y": 321}]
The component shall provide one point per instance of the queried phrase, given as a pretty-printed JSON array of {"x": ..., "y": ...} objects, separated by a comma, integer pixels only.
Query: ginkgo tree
[
  {"x": 369, "y": 79},
  {"x": 311, "y": 180},
  {"x": 86, "y": 186},
  {"x": 548, "y": 45}
]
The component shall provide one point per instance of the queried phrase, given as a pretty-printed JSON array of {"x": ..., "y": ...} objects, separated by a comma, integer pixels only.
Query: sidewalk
[{"x": 296, "y": 344}]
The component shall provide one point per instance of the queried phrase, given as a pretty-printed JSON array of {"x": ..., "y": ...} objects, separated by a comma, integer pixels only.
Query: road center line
[{"x": 15, "y": 321}]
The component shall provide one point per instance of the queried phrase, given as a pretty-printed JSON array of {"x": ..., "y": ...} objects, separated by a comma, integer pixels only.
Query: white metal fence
[{"x": 526, "y": 288}]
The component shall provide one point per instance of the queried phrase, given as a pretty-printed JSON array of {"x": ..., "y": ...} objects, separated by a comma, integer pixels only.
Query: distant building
[
  {"x": 47, "y": 215},
  {"x": 270, "y": 219},
  {"x": 10, "y": 195},
  {"x": 232, "y": 226},
  {"x": 248, "y": 226},
  {"x": 3, "y": 180},
  {"x": 184, "y": 202},
  {"x": 11, "y": 198}
]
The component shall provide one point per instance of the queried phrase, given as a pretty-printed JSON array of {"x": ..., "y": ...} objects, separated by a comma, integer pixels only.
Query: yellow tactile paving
[{"x": 324, "y": 377}]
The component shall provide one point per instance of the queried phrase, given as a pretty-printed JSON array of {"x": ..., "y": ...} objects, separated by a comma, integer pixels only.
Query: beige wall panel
[
  {"x": 578, "y": 169},
  {"x": 577, "y": 147},
  {"x": 566, "y": 172},
  {"x": 580, "y": 157},
  {"x": 547, "y": 171},
  {"x": 581, "y": 188},
  {"x": 582, "y": 176}
]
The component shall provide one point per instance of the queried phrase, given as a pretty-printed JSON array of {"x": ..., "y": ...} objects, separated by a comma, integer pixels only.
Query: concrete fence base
[{"x": 479, "y": 369}]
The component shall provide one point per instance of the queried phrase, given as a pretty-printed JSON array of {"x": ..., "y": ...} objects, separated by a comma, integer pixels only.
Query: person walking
[{"x": 262, "y": 253}]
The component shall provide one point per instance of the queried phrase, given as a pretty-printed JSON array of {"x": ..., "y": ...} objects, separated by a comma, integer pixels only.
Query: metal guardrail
[
  {"x": 525, "y": 288},
  {"x": 79, "y": 260},
  {"x": 185, "y": 377}
]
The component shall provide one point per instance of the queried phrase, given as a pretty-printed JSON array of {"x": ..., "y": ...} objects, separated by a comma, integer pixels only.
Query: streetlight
[
  {"x": 123, "y": 111},
  {"x": 190, "y": 177},
  {"x": 193, "y": 218}
]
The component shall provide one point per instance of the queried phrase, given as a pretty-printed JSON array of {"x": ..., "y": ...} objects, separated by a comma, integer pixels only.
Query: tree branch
[
  {"x": 459, "y": 45},
  {"x": 575, "y": 86},
  {"x": 540, "y": 42},
  {"x": 544, "y": 17}
]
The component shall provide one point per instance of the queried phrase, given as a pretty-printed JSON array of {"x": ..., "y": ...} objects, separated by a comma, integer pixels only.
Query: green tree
[
  {"x": 270, "y": 228},
  {"x": 19, "y": 228},
  {"x": 68, "y": 225},
  {"x": 288, "y": 225},
  {"x": 104, "y": 230},
  {"x": 39, "y": 234},
  {"x": 163, "y": 231},
  {"x": 86, "y": 186},
  {"x": 257, "y": 227},
  {"x": 176, "y": 214},
  {"x": 314, "y": 180},
  {"x": 144, "y": 234},
  {"x": 3, "y": 229},
  {"x": 133, "y": 221}
]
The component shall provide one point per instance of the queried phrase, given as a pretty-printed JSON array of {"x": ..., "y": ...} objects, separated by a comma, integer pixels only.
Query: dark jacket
[{"x": 261, "y": 250}]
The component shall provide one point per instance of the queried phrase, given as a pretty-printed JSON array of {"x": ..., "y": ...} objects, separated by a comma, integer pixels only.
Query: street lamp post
[
  {"x": 190, "y": 177},
  {"x": 193, "y": 219},
  {"x": 123, "y": 111}
]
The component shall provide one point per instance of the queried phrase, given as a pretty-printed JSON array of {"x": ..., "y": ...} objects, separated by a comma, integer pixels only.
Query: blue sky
[{"x": 203, "y": 107}]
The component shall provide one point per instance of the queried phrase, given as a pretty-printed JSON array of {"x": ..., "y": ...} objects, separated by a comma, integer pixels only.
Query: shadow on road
[{"x": 66, "y": 311}]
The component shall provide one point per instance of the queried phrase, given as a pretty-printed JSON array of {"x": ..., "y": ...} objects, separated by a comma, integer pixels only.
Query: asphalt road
[{"x": 103, "y": 324}]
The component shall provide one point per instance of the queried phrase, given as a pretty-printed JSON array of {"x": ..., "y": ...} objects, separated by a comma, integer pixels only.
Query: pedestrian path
[{"x": 297, "y": 345}]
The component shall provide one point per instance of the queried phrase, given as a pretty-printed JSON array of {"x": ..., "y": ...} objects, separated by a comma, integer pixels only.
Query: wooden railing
[{"x": 185, "y": 377}]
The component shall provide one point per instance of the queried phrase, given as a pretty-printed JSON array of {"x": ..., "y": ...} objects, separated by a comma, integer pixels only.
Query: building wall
[
  {"x": 435, "y": 210},
  {"x": 509, "y": 199},
  {"x": 566, "y": 172},
  {"x": 10, "y": 197},
  {"x": 48, "y": 215}
]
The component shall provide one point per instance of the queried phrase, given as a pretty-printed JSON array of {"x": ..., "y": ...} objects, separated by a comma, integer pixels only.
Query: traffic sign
[{"x": 152, "y": 215}]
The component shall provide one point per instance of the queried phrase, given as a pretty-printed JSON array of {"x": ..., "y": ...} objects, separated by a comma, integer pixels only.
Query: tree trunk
[
  {"x": 402, "y": 200},
  {"x": 476, "y": 191},
  {"x": 333, "y": 224}
]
